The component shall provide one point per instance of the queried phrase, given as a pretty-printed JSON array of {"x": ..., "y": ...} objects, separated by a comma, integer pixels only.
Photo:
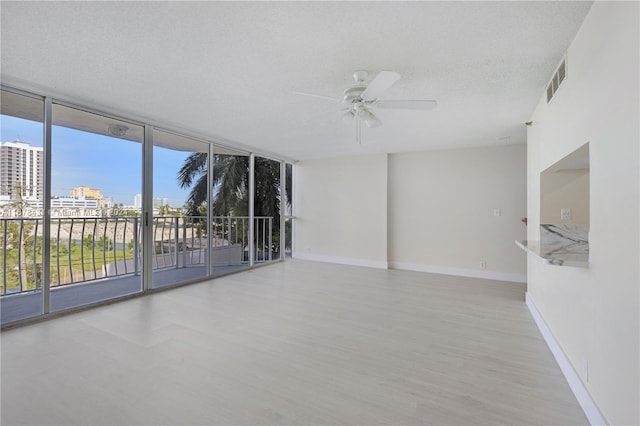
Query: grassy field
[{"x": 64, "y": 262}]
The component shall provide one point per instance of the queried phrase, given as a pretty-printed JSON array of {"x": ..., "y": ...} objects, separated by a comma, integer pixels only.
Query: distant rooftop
[{"x": 20, "y": 144}]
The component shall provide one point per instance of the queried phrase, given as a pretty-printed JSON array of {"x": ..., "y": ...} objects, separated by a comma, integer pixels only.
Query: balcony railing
[{"x": 84, "y": 249}]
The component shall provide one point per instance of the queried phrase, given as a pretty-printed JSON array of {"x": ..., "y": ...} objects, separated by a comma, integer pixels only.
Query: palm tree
[
  {"x": 21, "y": 238},
  {"x": 194, "y": 169},
  {"x": 230, "y": 186}
]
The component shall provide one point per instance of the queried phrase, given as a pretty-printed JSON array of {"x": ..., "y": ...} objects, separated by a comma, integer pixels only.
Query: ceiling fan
[{"x": 361, "y": 97}]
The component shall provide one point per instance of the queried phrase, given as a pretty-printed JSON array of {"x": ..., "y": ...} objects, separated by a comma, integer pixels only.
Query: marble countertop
[
  {"x": 562, "y": 245},
  {"x": 575, "y": 254}
]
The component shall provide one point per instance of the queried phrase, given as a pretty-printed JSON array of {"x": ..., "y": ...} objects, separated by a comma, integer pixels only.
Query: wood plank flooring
[{"x": 293, "y": 343}]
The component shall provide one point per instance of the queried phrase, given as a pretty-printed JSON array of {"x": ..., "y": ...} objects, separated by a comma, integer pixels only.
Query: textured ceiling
[{"x": 230, "y": 70}]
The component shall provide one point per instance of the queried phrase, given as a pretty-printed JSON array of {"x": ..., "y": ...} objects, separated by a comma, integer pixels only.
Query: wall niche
[{"x": 564, "y": 209}]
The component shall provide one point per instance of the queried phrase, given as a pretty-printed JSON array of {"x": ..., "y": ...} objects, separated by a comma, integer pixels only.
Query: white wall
[
  {"x": 341, "y": 210},
  {"x": 427, "y": 211},
  {"x": 594, "y": 313},
  {"x": 564, "y": 189},
  {"x": 441, "y": 211}
]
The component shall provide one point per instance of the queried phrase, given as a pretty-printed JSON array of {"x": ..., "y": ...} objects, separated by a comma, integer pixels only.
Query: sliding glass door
[
  {"x": 21, "y": 212},
  {"x": 95, "y": 226},
  {"x": 267, "y": 210},
  {"x": 179, "y": 226},
  {"x": 229, "y": 211},
  {"x": 288, "y": 211}
]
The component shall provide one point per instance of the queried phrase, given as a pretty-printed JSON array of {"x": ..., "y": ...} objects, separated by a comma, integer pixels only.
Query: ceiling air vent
[{"x": 557, "y": 79}]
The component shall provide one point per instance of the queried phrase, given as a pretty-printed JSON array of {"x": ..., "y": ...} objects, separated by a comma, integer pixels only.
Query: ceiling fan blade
[
  {"x": 314, "y": 95},
  {"x": 382, "y": 82},
  {"x": 407, "y": 104}
]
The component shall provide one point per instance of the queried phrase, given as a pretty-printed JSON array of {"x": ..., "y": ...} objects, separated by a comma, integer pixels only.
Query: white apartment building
[
  {"x": 137, "y": 201},
  {"x": 159, "y": 202},
  {"x": 74, "y": 203},
  {"x": 21, "y": 168}
]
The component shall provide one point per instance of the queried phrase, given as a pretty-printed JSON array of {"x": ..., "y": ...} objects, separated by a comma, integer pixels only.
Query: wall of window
[
  {"x": 267, "y": 195},
  {"x": 287, "y": 207},
  {"x": 230, "y": 215},
  {"x": 94, "y": 158},
  {"x": 131, "y": 207},
  {"x": 21, "y": 213},
  {"x": 179, "y": 235}
]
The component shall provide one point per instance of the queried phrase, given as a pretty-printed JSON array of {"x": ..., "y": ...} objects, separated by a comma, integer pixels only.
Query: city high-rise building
[
  {"x": 21, "y": 171},
  {"x": 86, "y": 193},
  {"x": 159, "y": 202}
]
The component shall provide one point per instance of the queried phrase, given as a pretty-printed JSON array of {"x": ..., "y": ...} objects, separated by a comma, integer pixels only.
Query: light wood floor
[{"x": 292, "y": 343}]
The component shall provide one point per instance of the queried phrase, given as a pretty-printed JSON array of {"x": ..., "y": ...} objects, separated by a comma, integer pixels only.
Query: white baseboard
[
  {"x": 461, "y": 272},
  {"x": 341, "y": 260},
  {"x": 581, "y": 393}
]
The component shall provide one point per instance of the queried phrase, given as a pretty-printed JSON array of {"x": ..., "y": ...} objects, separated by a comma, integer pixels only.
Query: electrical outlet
[
  {"x": 565, "y": 213},
  {"x": 483, "y": 264}
]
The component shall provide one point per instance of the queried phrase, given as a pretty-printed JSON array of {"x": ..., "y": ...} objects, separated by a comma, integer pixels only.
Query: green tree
[
  {"x": 88, "y": 241},
  {"x": 21, "y": 256},
  {"x": 23, "y": 267},
  {"x": 231, "y": 183},
  {"x": 104, "y": 243},
  {"x": 164, "y": 210}
]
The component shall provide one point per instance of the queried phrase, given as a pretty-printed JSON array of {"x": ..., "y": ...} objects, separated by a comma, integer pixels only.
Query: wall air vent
[{"x": 557, "y": 79}]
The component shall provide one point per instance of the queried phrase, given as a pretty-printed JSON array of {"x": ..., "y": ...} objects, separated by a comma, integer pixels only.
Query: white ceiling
[{"x": 229, "y": 70}]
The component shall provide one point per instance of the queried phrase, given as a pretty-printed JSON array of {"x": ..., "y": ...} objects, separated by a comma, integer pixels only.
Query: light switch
[
  {"x": 497, "y": 212},
  {"x": 565, "y": 213}
]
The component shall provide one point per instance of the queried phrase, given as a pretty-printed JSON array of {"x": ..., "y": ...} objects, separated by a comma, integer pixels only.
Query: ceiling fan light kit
[
  {"x": 348, "y": 116},
  {"x": 360, "y": 97}
]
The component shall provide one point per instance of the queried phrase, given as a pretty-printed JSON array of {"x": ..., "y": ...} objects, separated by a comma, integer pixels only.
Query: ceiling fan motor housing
[{"x": 352, "y": 94}]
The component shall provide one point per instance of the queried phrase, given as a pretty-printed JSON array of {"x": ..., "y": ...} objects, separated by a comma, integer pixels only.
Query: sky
[{"x": 113, "y": 165}]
